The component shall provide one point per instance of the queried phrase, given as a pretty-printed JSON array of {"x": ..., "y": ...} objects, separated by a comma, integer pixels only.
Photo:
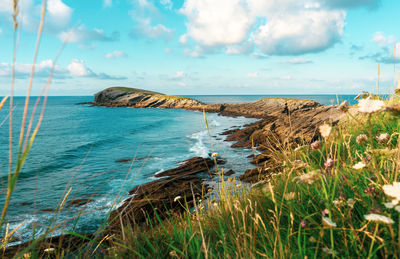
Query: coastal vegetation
[{"x": 335, "y": 193}]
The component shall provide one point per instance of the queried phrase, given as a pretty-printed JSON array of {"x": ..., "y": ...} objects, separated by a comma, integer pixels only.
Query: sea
[{"x": 101, "y": 153}]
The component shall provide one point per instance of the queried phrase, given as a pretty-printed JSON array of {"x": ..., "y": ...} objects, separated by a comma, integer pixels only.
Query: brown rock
[
  {"x": 79, "y": 202},
  {"x": 191, "y": 166}
]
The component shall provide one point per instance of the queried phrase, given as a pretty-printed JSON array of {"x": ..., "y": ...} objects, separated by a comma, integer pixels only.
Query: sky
[{"x": 193, "y": 47}]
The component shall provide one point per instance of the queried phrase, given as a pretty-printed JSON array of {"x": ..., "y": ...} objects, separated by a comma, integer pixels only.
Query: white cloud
[
  {"x": 178, "y": 75},
  {"x": 168, "y": 50},
  {"x": 219, "y": 22},
  {"x": 287, "y": 77},
  {"x": 107, "y": 3},
  {"x": 298, "y": 61},
  {"x": 78, "y": 68},
  {"x": 381, "y": 39},
  {"x": 58, "y": 14},
  {"x": 83, "y": 34},
  {"x": 145, "y": 29},
  {"x": 238, "y": 49},
  {"x": 304, "y": 32},
  {"x": 115, "y": 54},
  {"x": 253, "y": 75},
  {"x": 284, "y": 27},
  {"x": 1, "y": 31},
  {"x": 167, "y": 4}
]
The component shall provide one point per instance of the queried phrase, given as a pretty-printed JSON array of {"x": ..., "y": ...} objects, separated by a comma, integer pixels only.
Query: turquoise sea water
[{"x": 78, "y": 147}]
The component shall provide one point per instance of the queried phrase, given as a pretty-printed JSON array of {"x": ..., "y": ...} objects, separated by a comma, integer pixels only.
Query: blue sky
[{"x": 205, "y": 46}]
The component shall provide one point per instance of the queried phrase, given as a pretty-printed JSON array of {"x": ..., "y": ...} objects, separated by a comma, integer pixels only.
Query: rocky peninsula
[{"x": 283, "y": 122}]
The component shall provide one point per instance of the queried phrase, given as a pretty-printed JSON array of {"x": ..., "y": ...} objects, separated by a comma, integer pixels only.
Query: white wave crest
[{"x": 199, "y": 148}]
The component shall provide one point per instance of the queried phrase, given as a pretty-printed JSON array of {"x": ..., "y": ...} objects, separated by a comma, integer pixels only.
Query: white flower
[
  {"x": 325, "y": 130},
  {"x": 308, "y": 178},
  {"x": 389, "y": 205},
  {"x": 397, "y": 208},
  {"x": 378, "y": 218},
  {"x": 393, "y": 191},
  {"x": 344, "y": 106},
  {"x": 382, "y": 138},
  {"x": 350, "y": 202},
  {"x": 361, "y": 138},
  {"x": 370, "y": 105},
  {"x": 49, "y": 250},
  {"x": 177, "y": 198},
  {"x": 329, "y": 223},
  {"x": 359, "y": 165},
  {"x": 214, "y": 154}
]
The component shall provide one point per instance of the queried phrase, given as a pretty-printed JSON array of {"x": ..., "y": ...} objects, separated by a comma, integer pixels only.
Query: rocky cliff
[{"x": 283, "y": 122}]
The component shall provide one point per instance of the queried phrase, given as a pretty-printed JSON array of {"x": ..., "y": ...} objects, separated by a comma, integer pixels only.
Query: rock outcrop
[
  {"x": 283, "y": 122},
  {"x": 165, "y": 196}
]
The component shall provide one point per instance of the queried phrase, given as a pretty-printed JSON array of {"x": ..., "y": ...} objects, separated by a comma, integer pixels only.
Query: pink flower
[
  {"x": 316, "y": 145},
  {"x": 329, "y": 163}
]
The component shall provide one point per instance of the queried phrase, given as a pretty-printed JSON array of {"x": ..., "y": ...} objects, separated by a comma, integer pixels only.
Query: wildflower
[
  {"x": 49, "y": 250},
  {"x": 361, "y": 138},
  {"x": 298, "y": 164},
  {"x": 312, "y": 239},
  {"x": 325, "y": 212},
  {"x": 367, "y": 158},
  {"x": 215, "y": 204},
  {"x": 369, "y": 190},
  {"x": 325, "y": 130},
  {"x": 316, "y": 145},
  {"x": 289, "y": 196},
  {"x": 378, "y": 218},
  {"x": 329, "y": 163},
  {"x": 393, "y": 191},
  {"x": 344, "y": 106},
  {"x": 389, "y": 205},
  {"x": 173, "y": 253},
  {"x": 329, "y": 223},
  {"x": 350, "y": 203},
  {"x": 397, "y": 208},
  {"x": 308, "y": 178},
  {"x": 382, "y": 138},
  {"x": 327, "y": 250},
  {"x": 177, "y": 198},
  {"x": 337, "y": 203},
  {"x": 27, "y": 255},
  {"x": 303, "y": 223},
  {"x": 214, "y": 154},
  {"x": 359, "y": 165},
  {"x": 370, "y": 105},
  {"x": 209, "y": 190}
]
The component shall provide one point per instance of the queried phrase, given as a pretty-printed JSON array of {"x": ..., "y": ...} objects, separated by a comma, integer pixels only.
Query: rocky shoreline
[{"x": 282, "y": 123}]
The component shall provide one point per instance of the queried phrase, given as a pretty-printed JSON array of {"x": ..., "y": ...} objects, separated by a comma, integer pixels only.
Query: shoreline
[{"x": 248, "y": 135}]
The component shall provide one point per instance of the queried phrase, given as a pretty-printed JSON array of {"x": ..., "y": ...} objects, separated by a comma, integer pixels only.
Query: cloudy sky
[{"x": 205, "y": 46}]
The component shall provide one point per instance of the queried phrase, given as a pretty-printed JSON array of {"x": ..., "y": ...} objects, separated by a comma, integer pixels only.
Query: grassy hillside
[{"x": 336, "y": 197}]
